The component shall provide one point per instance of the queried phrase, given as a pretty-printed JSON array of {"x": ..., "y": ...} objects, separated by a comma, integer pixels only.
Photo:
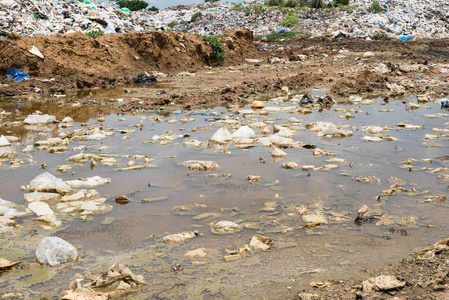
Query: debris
[
  {"x": 54, "y": 251},
  {"x": 382, "y": 283},
  {"x": 6, "y": 264},
  {"x": 221, "y": 136},
  {"x": 46, "y": 182},
  {"x": 225, "y": 227},
  {"x": 195, "y": 254},
  {"x": 179, "y": 237},
  {"x": 261, "y": 243},
  {"x": 122, "y": 199},
  {"x": 290, "y": 165},
  {"x": 201, "y": 165}
]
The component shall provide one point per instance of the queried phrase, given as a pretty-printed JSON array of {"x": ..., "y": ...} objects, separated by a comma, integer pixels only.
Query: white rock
[
  {"x": 67, "y": 120},
  {"x": 261, "y": 243},
  {"x": 54, "y": 251},
  {"x": 40, "y": 208},
  {"x": 88, "y": 182},
  {"x": 40, "y": 197},
  {"x": 46, "y": 182},
  {"x": 225, "y": 227},
  {"x": 221, "y": 136},
  {"x": 4, "y": 141},
  {"x": 39, "y": 119},
  {"x": 7, "y": 152},
  {"x": 244, "y": 132},
  {"x": 201, "y": 165}
]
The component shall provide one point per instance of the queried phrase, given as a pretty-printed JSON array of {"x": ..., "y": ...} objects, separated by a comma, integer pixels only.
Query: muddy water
[{"x": 132, "y": 233}]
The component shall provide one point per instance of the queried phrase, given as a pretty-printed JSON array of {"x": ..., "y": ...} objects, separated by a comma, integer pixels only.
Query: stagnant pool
[{"x": 379, "y": 191}]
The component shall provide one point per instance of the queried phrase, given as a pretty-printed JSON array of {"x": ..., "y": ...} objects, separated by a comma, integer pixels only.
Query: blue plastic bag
[
  {"x": 444, "y": 103},
  {"x": 16, "y": 74},
  {"x": 282, "y": 30},
  {"x": 405, "y": 37}
]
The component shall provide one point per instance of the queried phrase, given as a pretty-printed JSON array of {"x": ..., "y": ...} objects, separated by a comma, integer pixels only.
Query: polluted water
[{"x": 230, "y": 202}]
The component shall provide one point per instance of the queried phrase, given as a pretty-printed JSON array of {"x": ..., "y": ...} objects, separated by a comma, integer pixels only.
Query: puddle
[{"x": 359, "y": 173}]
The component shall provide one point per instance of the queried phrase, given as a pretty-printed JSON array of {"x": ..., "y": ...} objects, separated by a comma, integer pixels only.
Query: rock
[
  {"x": 54, "y": 251},
  {"x": 6, "y": 264},
  {"x": 253, "y": 178},
  {"x": 51, "y": 220},
  {"x": 225, "y": 227},
  {"x": 304, "y": 296},
  {"x": 39, "y": 119},
  {"x": 117, "y": 272},
  {"x": 201, "y": 165},
  {"x": 195, "y": 254},
  {"x": 88, "y": 182},
  {"x": 40, "y": 208},
  {"x": 179, "y": 237},
  {"x": 122, "y": 199},
  {"x": 4, "y": 141},
  {"x": 257, "y": 104},
  {"x": 7, "y": 152},
  {"x": 67, "y": 120},
  {"x": 314, "y": 219},
  {"x": 221, "y": 136},
  {"x": 368, "y": 54},
  {"x": 261, "y": 243},
  {"x": 290, "y": 165},
  {"x": 244, "y": 132},
  {"x": 85, "y": 295},
  {"x": 382, "y": 283},
  {"x": 41, "y": 197},
  {"x": 278, "y": 153},
  {"x": 46, "y": 182}
]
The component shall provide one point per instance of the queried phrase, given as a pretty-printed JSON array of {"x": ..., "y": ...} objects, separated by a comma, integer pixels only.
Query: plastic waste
[
  {"x": 282, "y": 30},
  {"x": 405, "y": 37},
  {"x": 54, "y": 251},
  {"x": 126, "y": 10},
  {"x": 109, "y": 29},
  {"x": 16, "y": 74},
  {"x": 144, "y": 79},
  {"x": 445, "y": 103}
]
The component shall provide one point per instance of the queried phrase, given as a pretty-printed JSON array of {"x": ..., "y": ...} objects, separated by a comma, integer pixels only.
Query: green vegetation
[
  {"x": 172, "y": 24},
  {"x": 289, "y": 20},
  {"x": 133, "y": 5},
  {"x": 153, "y": 8},
  {"x": 218, "y": 46},
  {"x": 94, "y": 33},
  {"x": 278, "y": 36},
  {"x": 341, "y": 2},
  {"x": 256, "y": 9},
  {"x": 274, "y": 2},
  {"x": 211, "y": 1},
  {"x": 238, "y": 7},
  {"x": 375, "y": 7},
  {"x": 196, "y": 16},
  {"x": 381, "y": 35},
  {"x": 347, "y": 8},
  {"x": 183, "y": 22},
  {"x": 316, "y": 4}
]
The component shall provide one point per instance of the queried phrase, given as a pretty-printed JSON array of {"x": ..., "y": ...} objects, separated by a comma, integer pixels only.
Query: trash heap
[
  {"x": 38, "y": 17},
  {"x": 398, "y": 18}
]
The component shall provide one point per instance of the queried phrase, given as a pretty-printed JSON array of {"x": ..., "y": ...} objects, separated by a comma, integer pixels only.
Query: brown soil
[
  {"x": 247, "y": 73},
  {"x": 76, "y": 62}
]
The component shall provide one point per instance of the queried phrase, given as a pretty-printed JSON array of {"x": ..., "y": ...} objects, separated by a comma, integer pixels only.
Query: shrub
[
  {"x": 183, "y": 22},
  {"x": 285, "y": 35},
  {"x": 94, "y": 33},
  {"x": 381, "y": 35},
  {"x": 374, "y": 7},
  {"x": 238, "y": 8},
  {"x": 316, "y": 3},
  {"x": 218, "y": 46},
  {"x": 133, "y": 5},
  {"x": 211, "y": 1},
  {"x": 172, "y": 24},
  {"x": 289, "y": 20},
  {"x": 291, "y": 3},
  {"x": 196, "y": 16},
  {"x": 274, "y": 2},
  {"x": 342, "y": 2},
  {"x": 153, "y": 8}
]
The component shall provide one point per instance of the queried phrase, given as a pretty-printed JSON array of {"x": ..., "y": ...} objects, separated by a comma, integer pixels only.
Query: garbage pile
[
  {"x": 398, "y": 18},
  {"x": 38, "y": 17}
]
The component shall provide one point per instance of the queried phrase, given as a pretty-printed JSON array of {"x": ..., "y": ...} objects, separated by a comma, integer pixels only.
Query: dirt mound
[{"x": 80, "y": 61}]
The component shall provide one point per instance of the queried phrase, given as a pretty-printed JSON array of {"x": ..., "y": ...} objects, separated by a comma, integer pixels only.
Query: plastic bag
[{"x": 16, "y": 74}]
